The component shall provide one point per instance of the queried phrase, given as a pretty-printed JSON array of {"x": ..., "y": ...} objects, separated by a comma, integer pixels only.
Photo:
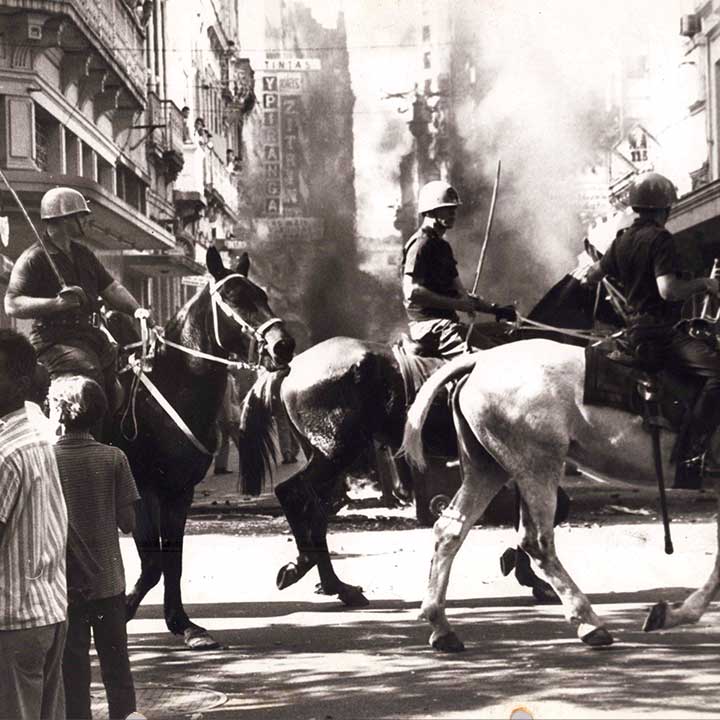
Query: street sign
[
  {"x": 194, "y": 280},
  {"x": 296, "y": 64}
]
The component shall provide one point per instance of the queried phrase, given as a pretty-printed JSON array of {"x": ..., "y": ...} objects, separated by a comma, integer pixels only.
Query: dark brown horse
[
  {"x": 341, "y": 395},
  {"x": 230, "y": 315}
]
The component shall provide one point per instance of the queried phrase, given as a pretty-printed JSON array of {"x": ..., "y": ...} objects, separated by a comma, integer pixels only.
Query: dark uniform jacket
[
  {"x": 33, "y": 276},
  {"x": 429, "y": 260},
  {"x": 637, "y": 257}
]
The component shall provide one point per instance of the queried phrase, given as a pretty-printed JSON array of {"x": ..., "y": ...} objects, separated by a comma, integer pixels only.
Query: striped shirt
[
  {"x": 32, "y": 546},
  {"x": 97, "y": 480}
]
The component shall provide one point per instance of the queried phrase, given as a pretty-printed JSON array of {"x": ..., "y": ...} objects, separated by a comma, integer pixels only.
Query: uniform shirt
[
  {"x": 638, "y": 256},
  {"x": 96, "y": 480},
  {"x": 429, "y": 260},
  {"x": 33, "y": 276},
  {"x": 32, "y": 548}
]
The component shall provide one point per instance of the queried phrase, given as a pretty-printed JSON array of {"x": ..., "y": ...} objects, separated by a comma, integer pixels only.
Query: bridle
[
  {"x": 140, "y": 367},
  {"x": 256, "y": 334}
]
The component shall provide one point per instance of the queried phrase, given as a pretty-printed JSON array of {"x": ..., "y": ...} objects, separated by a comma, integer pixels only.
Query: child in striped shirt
[{"x": 100, "y": 494}]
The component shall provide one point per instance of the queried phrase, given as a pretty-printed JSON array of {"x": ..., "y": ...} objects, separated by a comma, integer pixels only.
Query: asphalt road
[{"x": 294, "y": 654}]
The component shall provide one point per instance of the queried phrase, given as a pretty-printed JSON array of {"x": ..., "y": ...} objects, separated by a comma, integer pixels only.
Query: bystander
[
  {"x": 33, "y": 533},
  {"x": 100, "y": 493}
]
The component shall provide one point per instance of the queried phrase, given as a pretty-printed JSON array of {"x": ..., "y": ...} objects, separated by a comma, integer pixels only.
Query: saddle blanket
[{"x": 610, "y": 383}]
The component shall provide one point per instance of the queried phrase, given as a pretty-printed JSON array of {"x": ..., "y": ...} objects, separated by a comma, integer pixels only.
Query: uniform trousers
[{"x": 446, "y": 338}]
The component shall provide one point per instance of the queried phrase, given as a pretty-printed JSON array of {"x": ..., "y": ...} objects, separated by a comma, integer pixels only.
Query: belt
[{"x": 92, "y": 320}]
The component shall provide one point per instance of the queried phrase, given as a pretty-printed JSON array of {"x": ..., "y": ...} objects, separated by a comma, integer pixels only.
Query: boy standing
[{"x": 100, "y": 493}]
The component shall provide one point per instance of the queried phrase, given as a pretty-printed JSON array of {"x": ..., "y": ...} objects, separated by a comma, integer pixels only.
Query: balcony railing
[
  {"x": 192, "y": 175},
  {"x": 119, "y": 32},
  {"x": 217, "y": 178},
  {"x": 167, "y": 135}
]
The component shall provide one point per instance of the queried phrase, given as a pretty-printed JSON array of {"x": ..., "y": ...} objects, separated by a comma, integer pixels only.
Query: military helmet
[
  {"x": 437, "y": 194},
  {"x": 62, "y": 202},
  {"x": 651, "y": 190}
]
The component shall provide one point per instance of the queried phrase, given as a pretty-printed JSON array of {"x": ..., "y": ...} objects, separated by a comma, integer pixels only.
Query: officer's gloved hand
[
  {"x": 72, "y": 296},
  {"x": 505, "y": 312}
]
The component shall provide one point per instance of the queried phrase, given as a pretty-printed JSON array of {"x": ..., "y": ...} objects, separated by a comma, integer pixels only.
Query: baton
[
  {"x": 483, "y": 249},
  {"x": 53, "y": 266}
]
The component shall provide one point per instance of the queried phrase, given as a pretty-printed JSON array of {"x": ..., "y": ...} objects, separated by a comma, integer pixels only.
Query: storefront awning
[
  {"x": 114, "y": 224},
  {"x": 161, "y": 262}
]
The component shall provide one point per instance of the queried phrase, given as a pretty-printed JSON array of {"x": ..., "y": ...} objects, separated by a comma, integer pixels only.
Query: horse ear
[
  {"x": 243, "y": 266},
  {"x": 214, "y": 262}
]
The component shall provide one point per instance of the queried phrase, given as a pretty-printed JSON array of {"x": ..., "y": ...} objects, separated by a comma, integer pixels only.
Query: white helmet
[{"x": 437, "y": 194}]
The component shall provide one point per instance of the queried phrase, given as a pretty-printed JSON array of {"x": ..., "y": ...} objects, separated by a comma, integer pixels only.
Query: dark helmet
[
  {"x": 62, "y": 202},
  {"x": 652, "y": 191}
]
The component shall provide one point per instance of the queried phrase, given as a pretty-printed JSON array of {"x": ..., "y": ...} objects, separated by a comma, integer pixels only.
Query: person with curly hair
[{"x": 100, "y": 494}]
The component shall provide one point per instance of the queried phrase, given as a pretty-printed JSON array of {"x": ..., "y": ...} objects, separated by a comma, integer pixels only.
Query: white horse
[{"x": 519, "y": 415}]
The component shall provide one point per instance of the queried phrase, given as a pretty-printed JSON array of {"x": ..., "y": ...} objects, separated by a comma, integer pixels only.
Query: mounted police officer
[
  {"x": 644, "y": 259},
  {"x": 66, "y": 330},
  {"x": 432, "y": 289}
]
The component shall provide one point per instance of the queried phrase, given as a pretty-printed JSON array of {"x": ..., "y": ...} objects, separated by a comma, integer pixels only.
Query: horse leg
[
  {"x": 173, "y": 515},
  {"x": 482, "y": 480},
  {"x": 308, "y": 520},
  {"x": 664, "y": 615},
  {"x": 537, "y": 512},
  {"x": 517, "y": 558},
  {"x": 147, "y": 542}
]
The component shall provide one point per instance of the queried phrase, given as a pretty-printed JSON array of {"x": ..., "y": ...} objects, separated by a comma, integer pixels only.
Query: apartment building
[{"x": 90, "y": 97}]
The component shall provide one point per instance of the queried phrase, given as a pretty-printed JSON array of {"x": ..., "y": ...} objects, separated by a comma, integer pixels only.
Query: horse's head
[{"x": 243, "y": 322}]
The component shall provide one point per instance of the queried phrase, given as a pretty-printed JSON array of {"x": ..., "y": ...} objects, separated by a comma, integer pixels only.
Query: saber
[
  {"x": 53, "y": 266},
  {"x": 483, "y": 249}
]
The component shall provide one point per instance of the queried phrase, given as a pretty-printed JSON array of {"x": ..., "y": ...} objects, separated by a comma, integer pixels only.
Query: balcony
[
  {"x": 111, "y": 28},
  {"x": 219, "y": 186},
  {"x": 189, "y": 188},
  {"x": 165, "y": 139}
]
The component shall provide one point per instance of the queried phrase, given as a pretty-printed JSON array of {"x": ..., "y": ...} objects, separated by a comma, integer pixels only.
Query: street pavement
[{"x": 294, "y": 654}]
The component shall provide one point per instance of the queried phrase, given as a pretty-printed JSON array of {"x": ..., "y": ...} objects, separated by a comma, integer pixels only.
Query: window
[
  {"x": 43, "y": 132},
  {"x": 426, "y": 60},
  {"x": 426, "y": 33}
]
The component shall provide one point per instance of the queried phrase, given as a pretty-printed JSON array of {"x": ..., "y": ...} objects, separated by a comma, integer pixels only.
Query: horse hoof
[
  {"x": 287, "y": 576},
  {"x": 449, "y": 643},
  {"x": 352, "y": 596},
  {"x": 199, "y": 639},
  {"x": 656, "y": 617},
  {"x": 545, "y": 595},
  {"x": 595, "y": 636},
  {"x": 507, "y": 561}
]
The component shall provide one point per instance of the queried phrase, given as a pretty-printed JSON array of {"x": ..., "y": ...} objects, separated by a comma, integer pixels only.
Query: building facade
[
  {"x": 695, "y": 219},
  {"x": 299, "y": 179},
  {"x": 101, "y": 97}
]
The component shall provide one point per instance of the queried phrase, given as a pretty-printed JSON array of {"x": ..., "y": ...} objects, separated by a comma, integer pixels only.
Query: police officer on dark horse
[
  {"x": 65, "y": 310},
  {"x": 172, "y": 407},
  {"x": 432, "y": 288},
  {"x": 343, "y": 393}
]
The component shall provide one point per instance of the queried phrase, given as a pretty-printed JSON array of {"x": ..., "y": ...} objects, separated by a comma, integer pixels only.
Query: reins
[{"x": 524, "y": 323}]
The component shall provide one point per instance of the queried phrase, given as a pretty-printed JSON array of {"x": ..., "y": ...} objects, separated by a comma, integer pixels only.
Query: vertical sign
[{"x": 271, "y": 144}]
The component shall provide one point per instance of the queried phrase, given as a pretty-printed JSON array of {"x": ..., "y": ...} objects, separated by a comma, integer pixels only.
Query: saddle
[
  {"x": 663, "y": 399},
  {"x": 415, "y": 367}
]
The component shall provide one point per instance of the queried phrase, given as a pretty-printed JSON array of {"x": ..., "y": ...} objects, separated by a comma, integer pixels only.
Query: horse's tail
[
  {"x": 257, "y": 430},
  {"x": 412, "y": 445}
]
